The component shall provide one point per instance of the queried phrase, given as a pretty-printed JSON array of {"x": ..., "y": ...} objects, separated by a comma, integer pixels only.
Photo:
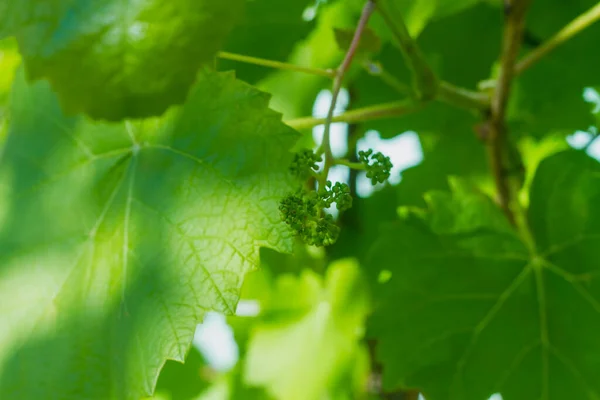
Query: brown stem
[{"x": 498, "y": 141}]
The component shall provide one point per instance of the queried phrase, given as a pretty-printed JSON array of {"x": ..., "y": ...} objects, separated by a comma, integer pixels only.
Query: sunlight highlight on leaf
[{"x": 161, "y": 222}]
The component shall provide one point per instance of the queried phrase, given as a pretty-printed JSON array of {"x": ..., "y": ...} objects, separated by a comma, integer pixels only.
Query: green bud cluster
[
  {"x": 338, "y": 194},
  {"x": 377, "y": 165},
  {"x": 304, "y": 213},
  {"x": 304, "y": 163}
]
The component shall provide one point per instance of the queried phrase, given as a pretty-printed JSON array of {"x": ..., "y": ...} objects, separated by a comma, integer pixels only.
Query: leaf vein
[
  {"x": 512, "y": 287},
  {"x": 593, "y": 394},
  {"x": 194, "y": 253}
]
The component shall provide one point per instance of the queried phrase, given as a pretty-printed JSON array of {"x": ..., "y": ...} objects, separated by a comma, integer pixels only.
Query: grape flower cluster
[
  {"x": 305, "y": 162},
  {"x": 377, "y": 165},
  {"x": 304, "y": 213}
]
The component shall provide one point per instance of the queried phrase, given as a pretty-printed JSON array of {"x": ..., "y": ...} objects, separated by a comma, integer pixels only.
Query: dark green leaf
[
  {"x": 451, "y": 153},
  {"x": 549, "y": 96},
  {"x": 471, "y": 310},
  {"x": 361, "y": 224}
]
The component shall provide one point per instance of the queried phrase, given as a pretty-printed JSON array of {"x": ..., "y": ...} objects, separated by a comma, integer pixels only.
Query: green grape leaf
[
  {"x": 361, "y": 224},
  {"x": 452, "y": 152},
  {"x": 269, "y": 29},
  {"x": 116, "y": 238},
  {"x": 116, "y": 59},
  {"x": 308, "y": 342},
  {"x": 471, "y": 309}
]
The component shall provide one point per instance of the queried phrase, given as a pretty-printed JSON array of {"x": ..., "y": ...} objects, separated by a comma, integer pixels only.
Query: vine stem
[
  {"x": 449, "y": 94},
  {"x": 498, "y": 140},
  {"x": 426, "y": 82},
  {"x": 352, "y": 165},
  {"x": 328, "y": 73},
  {"x": 377, "y": 70},
  {"x": 386, "y": 110},
  {"x": 325, "y": 147},
  {"x": 580, "y": 23},
  {"x": 462, "y": 98}
]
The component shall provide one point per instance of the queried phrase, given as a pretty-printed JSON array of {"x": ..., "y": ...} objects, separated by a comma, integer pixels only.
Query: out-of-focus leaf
[
  {"x": 270, "y": 29},
  {"x": 9, "y": 62},
  {"x": 549, "y": 96},
  {"x": 309, "y": 337},
  {"x": 370, "y": 43},
  {"x": 114, "y": 59},
  {"x": 416, "y": 14}
]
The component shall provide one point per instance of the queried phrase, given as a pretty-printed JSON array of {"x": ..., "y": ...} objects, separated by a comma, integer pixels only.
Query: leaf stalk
[
  {"x": 328, "y": 73},
  {"x": 380, "y": 111},
  {"x": 580, "y": 23}
]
